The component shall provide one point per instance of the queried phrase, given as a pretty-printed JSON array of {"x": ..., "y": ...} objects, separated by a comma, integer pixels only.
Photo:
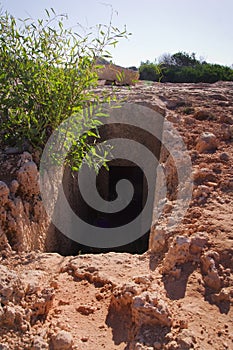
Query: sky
[{"x": 157, "y": 26}]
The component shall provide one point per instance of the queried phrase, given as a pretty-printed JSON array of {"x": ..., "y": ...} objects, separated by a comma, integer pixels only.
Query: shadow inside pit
[
  {"x": 176, "y": 288},
  {"x": 119, "y": 319},
  {"x": 224, "y": 306},
  {"x": 154, "y": 261}
]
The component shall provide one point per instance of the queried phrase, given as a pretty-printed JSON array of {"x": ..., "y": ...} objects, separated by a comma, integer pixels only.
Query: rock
[
  {"x": 223, "y": 295},
  {"x": 183, "y": 249},
  {"x": 204, "y": 115},
  {"x": 11, "y": 288},
  {"x": 207, "y": 142},
  {"x": 186, "y": 339},
  {"x": 178, "y": 253},
  {"x": 201, "y": 191},
  {"x": 226, "y": 185},
  {"x": 173, "y": 104},
  {"x": 14, "y": 185},
  {"x": 224, "y": 156},
  {"x": 198, "y": 241},
  {"x": 228, "y": 119},
  {"x": 211, "y": 276},
  {"x": 208, "y": 261},
  {"x": 148, "y": 308},
  {"x": 203, "y": 174},
  {"x": 86, "y": 310},
  {"x": 4, "y": 193},
  {"x": 24, "y": 158},
  {"x": 39, "y": 344},
  {"x": 28, "y": 179},
  {"x": 172, "y": 345},
  {"x": 85, "y": 339},
  {"x": 157, "y": 345},
  {"x": 9, "y": 316},
  {"x": 13, "y": 150},
  {"x": 42, "y": 304},
  {"x": 157, "y": 239},
  {"x": 226, "y": 132},
  {"x": 212, "y": 280},
  {"x": 118, "y": 75},
  {"x": 62, "y": 341}
]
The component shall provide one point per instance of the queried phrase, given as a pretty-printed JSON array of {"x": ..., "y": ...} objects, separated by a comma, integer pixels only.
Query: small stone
[
  {"x": 62, "y": 341},
  {"x": 206, "y": 142},
  {"x": 224, "y": 156},
  {"x": 223, "y": 295},
  {"x": 226, "y": 132},
  {"x": 84, "y": 339},
  {"x": 4, "y": 193},
  {"x": 39, "y": 344},
  {"x": 157, "y": 345},
  {"x": 157, "y": 240},
  {"x": 183, "y": 324},
  {"x": 4, "y": 347},
  {"x": 85, "y": 310},
  {"x": 173, "y": 345},
  {"x": 204, "y": 115},
  {"x": 63, "y": 302},
  {"x": 14, "y": 185},
  {"x": 186, "y": 339}
]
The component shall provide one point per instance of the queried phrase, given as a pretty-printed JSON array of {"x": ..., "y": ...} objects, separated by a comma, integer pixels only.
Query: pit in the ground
[{"x": 106, "y": 182}]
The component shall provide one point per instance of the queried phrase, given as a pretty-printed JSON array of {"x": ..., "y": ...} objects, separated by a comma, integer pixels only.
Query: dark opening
[
  {"x": 106, "y": 185},
  {"x": 106, "y": 182}
]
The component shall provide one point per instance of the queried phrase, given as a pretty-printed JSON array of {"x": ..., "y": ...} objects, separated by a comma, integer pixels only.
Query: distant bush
[
  {"x": 184, "y": 68},
  {"x": 149, "y": 71}
]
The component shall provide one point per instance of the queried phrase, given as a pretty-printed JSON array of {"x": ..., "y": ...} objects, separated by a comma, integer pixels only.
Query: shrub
[
  {"x": 149, "y": 71},
  {"x": 184, "y": 68},
  {"x": 47, "y": 73}
]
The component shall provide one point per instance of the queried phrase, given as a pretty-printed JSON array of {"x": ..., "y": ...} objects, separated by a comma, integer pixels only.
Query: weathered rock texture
[
  {"x": 24, "y": 225},
  {"x": 178, "y": 295},
  {"x": 118, "y": 75}
]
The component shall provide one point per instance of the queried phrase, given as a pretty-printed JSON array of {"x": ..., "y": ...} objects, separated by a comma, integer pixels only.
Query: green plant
[
  {"x": 150, "y": 71},
  {"x": 188, "y": 110},
  {"x": 184, "y": 68},
  {"x": 47, "y": 73}
]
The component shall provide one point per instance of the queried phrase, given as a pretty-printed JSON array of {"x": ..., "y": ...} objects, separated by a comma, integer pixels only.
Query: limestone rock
[
  {"x": 63, "y": 340},
  {"x": 28, "y": 179},
  {"x": 157, "y": 240},
  {"x": 43, "y": 303},
  {"x": 211, "y": 276},
  {"x": 117, "y": 74},
  {"x": 4, "y": 193},
  {"x": 206, "y": 142},
  {"x": 39, "y": 344},
  {"x": 183, "y": 249},
  {"x": 201, "y": 191},
  {"x": 150, "y": 309},
  {"x": 204, "y": 115},
  {"x": 228, "y": 119},
  {"x": 11, "y": 288},
  {"x": 226, "y": 132},
  {"x": 224, "y": 157},
  {"x": 186, "y": 339},
  {"x": 178, "y": 253},
  {"x": 14, "y": 185},
  {"x": 225, "y": 295},
  {"x": 203, "y": 174}
]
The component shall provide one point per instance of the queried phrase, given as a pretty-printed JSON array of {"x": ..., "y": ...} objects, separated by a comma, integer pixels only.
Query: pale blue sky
[{"x": 158, "y": 26}]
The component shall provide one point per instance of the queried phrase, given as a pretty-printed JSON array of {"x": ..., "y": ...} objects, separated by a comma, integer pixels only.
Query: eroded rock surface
[{"x": 178, "y": 295}]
